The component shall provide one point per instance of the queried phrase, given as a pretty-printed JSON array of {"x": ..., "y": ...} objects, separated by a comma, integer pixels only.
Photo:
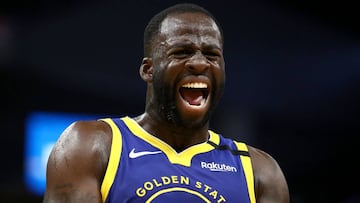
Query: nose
[{"x": 198, "y": 63}]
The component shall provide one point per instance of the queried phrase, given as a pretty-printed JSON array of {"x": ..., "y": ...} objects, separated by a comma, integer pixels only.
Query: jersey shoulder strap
[
  {"x": 248, "y": 170},
  {"x": 114, "y": 158}
]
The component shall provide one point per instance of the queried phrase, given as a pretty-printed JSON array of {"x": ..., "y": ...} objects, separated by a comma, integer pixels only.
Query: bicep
[
  {"x": 65, "y": 184},
  {"x": 72, "y": 172},
  {"x": 274, "y": 188},
  {"x": 271, "y": 185}
]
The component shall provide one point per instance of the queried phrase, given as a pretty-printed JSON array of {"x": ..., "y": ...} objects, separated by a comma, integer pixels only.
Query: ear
[{"x": 146, "y": 69}]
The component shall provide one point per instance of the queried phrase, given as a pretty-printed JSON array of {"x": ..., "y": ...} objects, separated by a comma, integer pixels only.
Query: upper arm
[
  {"x": 77, "y": 163},
  {"x": 270, "y": 182}
]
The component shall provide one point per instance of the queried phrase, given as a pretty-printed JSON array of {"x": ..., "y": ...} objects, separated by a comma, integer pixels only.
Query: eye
[
  {"x": 212, "y": 55},
  {"x": 181, "y": 53}
]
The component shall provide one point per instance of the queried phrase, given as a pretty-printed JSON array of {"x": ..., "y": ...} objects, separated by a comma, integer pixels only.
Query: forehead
[{"x": 192, "y": 26}]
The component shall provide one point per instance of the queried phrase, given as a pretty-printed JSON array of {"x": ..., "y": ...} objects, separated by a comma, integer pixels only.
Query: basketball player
[{"x": 168, "y": 153}]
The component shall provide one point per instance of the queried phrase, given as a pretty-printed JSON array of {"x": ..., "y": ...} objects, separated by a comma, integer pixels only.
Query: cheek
[
  {"x": 171, "y": 71},
  {"x": 163, "y": 82},
  {"x": 219, "y": 74},
  {"x": 218, "y": 82}
]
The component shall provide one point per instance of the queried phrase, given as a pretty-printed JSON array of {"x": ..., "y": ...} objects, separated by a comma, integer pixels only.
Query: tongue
[{"x": 193, "y": 97}]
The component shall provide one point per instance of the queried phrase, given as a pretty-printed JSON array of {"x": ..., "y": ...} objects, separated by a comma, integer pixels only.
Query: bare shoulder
[
  {"x": 78, "y": 161},
  {"x": 270, "y": 182},
  {"x": 86, "y": 138}
]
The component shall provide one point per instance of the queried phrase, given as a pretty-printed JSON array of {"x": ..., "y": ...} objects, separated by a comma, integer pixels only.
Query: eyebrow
[{"x": 190, "y": 45}]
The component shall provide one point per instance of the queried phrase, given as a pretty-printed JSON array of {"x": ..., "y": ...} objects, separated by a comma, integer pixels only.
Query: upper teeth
[{"x": 195, "y": 85}]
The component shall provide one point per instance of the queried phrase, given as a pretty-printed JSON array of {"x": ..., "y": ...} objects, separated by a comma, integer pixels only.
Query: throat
[
  {"x": 183, "y": 141},
  {"x": 177, "y": 137}
]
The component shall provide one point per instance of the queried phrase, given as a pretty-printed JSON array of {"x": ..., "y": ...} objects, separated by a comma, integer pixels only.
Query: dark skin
[{"x": 189, "y": 50}]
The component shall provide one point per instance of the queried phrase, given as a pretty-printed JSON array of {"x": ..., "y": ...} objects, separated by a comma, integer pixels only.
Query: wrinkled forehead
[{"x": 190, "y": 24}]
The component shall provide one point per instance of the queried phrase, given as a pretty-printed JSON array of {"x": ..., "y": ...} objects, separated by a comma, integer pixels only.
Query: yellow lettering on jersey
[
  {"x": 164, "y": 180},
  {"x": 198, "y": 184},
  {"x": 156, "y": 184},
  {"x": 214, "y": 194},
  {"x": 221, "y": 199},
  {"x": 211, "y": 192}
]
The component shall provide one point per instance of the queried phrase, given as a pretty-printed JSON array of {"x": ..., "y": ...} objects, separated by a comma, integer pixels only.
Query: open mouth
[{"x": 194, "y": 93}]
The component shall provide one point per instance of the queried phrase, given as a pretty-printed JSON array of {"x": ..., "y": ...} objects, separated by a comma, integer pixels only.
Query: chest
[{"x": 150, "y": 174}]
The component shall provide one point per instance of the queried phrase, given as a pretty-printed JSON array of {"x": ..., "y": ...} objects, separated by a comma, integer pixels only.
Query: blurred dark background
[{"x": 293, "y": 80}]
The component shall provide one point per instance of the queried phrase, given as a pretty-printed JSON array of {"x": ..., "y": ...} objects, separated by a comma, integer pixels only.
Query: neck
[{"x": 177, "y": 137}]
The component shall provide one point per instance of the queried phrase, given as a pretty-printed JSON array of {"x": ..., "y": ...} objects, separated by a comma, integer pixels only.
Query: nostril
[{"x": 198, "y": 65}]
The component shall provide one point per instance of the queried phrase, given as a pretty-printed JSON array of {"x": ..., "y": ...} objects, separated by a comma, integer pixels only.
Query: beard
[{"x": 165, "y": 103}]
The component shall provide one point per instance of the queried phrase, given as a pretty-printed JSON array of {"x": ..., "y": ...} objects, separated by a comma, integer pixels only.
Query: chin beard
[
  {"x": 165, "y": 103},
  {"x": 166, "y": 108}
]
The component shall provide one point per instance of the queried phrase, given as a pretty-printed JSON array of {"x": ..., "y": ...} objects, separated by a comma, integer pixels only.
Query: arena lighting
[{"x": 42, "y": 129}]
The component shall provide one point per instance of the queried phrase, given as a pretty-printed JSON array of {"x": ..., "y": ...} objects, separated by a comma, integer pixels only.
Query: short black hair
[{"x": 153, "y": 26}]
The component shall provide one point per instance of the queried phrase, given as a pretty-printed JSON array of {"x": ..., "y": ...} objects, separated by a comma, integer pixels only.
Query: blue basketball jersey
[{"x": 143, "y": 168}]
